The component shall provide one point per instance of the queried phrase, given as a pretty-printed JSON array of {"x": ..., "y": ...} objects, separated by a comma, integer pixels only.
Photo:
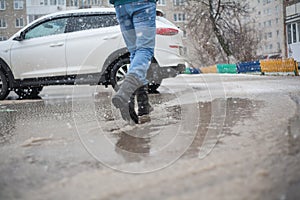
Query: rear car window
[{"x": 86, "y": 22}]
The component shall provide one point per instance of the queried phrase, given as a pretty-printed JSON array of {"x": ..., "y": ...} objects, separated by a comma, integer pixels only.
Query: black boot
[
  {"x": 144, "y": 107},
  {"x": 132, "y": 112},
  {"x": 124, "y": 98}
]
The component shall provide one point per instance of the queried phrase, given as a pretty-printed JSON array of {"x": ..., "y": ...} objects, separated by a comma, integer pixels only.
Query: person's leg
[
  {"x": 144, "y": 107},
  {"x": 143, "y": 18},
  {"x": 127, "y": 28},
  {"x": 124, "y": 98},
  {"x": 137, "y": 22},
  {"x": 142, "y": 50},
  {"x": 145, "y": 27}
]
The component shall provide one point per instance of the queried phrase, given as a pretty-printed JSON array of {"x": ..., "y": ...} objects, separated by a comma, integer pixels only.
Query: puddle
[
  {"x": 237, "y": 110},
  {"x": 131, "y": 148},
  {"x": 51, "y": 116},
  {"x": 131, "y": 141}
]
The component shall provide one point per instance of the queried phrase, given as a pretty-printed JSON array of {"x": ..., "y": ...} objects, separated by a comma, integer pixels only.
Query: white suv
[{"x": 81, "y": 47}]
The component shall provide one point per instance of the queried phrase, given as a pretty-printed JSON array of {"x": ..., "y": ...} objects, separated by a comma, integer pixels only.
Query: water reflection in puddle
[
  {"x": 293, "y": 130},
  {"x": 237, "y": 110}
]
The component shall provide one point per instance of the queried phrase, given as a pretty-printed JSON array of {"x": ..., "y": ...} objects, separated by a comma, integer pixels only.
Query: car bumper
[{"x": 172, "y": 71}]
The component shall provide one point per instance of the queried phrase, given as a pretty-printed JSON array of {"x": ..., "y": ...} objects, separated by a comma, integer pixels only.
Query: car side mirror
[{"x": 21, "y": 37}]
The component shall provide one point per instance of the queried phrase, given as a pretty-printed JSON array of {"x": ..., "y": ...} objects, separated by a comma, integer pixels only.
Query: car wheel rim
[{"x": 120, "y": 75}]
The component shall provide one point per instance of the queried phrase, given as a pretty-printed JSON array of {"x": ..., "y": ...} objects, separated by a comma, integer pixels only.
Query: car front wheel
[{"x": 4, "y": 89}]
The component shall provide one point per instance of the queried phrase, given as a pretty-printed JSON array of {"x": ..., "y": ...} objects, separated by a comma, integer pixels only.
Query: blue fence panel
[
  {"x": 248, "y": 67},
  {"x": 195, "y": 71}
]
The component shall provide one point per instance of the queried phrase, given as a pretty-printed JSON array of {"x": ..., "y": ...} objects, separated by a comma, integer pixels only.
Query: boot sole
[{"x": 144, "y": 119}]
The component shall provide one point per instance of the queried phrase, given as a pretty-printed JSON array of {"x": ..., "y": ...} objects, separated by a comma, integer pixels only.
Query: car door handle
[
  {"x": 56, "y": 45},
  {"x": 111, "y": 37}
]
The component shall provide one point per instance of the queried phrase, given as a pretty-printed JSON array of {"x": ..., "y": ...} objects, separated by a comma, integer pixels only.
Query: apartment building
[
  {"x": 75, "y": 4},
  {"x": 12, "y": 17},
  {"x": 174, "y": 11},
  {"x": 266, "y": 15},
  {"x": 268, "y": 20},
  {"x": 292, "y": 23},
  {"x": 38, "y": 8}
]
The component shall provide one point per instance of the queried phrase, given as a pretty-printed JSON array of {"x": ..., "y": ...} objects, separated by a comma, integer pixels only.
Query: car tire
[
  {"x": 28, "y": 92},
  {"x": 120, "y": 68},
  {"x": 118, "y": 72},
  {"x": 4, "y": 88}
]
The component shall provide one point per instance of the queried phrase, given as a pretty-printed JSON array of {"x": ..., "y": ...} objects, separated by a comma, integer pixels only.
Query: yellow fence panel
[
  {"x": 210, "y": 69},
  {"x": 297, "y": 69},
  {"x": 278, "y": 65}
]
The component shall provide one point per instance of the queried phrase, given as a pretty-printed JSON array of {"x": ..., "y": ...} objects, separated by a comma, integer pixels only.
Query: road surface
[{"x": 211, "y": 137}]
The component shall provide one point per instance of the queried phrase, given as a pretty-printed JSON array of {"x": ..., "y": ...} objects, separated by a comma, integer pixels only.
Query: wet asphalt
[{"x": 210, "y": 136}]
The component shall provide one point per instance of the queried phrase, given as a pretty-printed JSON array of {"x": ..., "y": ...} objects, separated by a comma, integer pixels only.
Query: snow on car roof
[
  {"x": 80, "y": 11},
  {"x": 75, "y": 11}
]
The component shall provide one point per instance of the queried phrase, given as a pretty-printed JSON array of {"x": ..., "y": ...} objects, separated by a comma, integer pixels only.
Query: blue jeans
[{"x": 137, "y": 22}]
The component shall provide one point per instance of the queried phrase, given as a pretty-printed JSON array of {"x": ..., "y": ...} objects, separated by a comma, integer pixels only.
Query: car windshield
[{"x": 52, "y": 27}]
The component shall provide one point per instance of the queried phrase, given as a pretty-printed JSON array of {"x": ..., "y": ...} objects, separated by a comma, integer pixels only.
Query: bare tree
[{"x": 218, "y": 30}]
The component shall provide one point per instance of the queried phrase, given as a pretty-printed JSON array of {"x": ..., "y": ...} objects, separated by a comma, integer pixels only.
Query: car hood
[{"x": 4, "y": 45}]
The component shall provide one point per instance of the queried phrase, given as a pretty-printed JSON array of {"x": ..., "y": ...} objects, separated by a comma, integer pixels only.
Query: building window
[
  {"x": 2, "y": 4},
  {"x": 18, "y": 4},
  {"x": 2, "y": 38},
  {"x": 267, "y": 1},
  {"x": 175, "y": 17},
  {"x": 267, "y": 12},
  {"x": 270, "y": 34},
  {"x": 3, "y": 23},
  {"x": 178, "y": 2},
  {"x": 53, "y": 2},
  {"x": 289, "y": 33},
  {"x": 74, "y": 3},
  {"x": 19, "y": 22},
  {"x": 298, "y": 31},
  {"x": 93, "y": 2},
  {"x": 294, "y": 33},
  {"x": 270, "y": 23},
  {"x": 33, "y": 17},
  {"x": 45, "y": 2},
  {"x": 61, "y": 2},
  {"x": 161, "y": 2},
  {"x": 184, "y": 34},
  {"x": 179, "y": 17},
  {"x": 271, "y": 46}
]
